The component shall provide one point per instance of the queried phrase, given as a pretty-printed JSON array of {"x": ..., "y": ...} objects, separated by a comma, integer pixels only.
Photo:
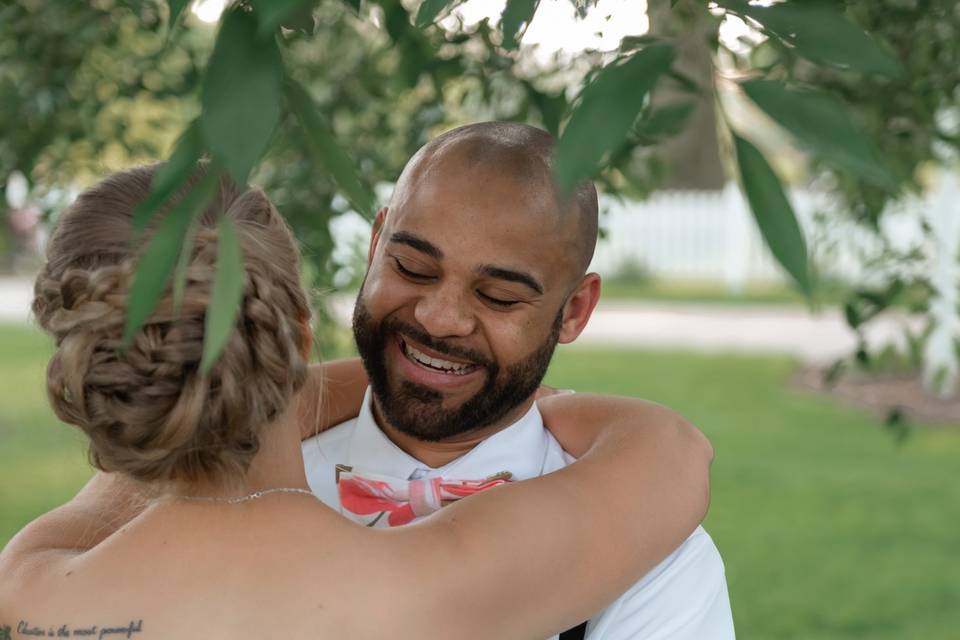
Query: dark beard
[{"x": 417, "y": 410}]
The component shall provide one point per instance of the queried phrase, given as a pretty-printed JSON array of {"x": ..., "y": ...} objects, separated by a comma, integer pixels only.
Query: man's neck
[{"x": 443, "y": 452}]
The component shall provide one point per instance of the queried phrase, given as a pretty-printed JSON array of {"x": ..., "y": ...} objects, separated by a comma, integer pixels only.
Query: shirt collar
[{"x": 520, "y": 448}]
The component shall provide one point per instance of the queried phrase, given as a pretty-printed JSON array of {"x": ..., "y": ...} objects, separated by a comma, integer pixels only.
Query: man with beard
[{"x": 477, "y": 269}]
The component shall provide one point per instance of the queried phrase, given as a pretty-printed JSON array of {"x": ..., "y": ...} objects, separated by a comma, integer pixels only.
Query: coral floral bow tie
[{"x": 365, "y": 494}]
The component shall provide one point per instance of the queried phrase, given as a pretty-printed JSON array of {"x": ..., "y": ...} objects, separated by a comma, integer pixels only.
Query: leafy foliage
[
  {"x": 317, "y": 100},
  {"x": 605, "y": 113}
]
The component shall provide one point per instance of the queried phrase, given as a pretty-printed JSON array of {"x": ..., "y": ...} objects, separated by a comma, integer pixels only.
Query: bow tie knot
[{"x": 365, "y": 494}]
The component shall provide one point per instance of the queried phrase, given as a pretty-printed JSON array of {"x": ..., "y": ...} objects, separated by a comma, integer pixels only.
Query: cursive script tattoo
[{"x": 25, "y": 628}]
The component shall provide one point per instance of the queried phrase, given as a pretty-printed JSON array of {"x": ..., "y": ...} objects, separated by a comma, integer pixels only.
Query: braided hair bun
[{"x": 148, "y": 411}]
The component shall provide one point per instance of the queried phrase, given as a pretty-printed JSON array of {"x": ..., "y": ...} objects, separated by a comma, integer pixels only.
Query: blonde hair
[{"x": 148, "y": 411}]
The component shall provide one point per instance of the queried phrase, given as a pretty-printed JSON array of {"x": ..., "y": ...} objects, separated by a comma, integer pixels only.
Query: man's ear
[
  {"x": 579, "y": 307},
  {"x": 375, "y": 234}
]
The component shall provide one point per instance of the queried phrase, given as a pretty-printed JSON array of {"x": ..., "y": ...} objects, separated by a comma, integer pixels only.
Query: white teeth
[{"x": 436, "y": 363}]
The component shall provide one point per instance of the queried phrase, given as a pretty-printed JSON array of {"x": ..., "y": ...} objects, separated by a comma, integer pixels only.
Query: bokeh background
[{"x": 834, "y": 415}]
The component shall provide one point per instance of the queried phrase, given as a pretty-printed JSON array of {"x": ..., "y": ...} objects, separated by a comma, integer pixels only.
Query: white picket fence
[{"x": 712, "y": 237}]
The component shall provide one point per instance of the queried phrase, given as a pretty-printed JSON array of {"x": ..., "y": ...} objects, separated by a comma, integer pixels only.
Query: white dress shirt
[{"x": 682, "y": 598}]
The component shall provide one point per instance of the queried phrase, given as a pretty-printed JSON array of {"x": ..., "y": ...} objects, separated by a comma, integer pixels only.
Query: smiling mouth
[{"x": 435, "y": 364}]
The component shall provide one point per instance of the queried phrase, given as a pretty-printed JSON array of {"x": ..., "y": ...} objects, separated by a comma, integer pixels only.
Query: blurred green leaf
[
  {"x": 665, "y": 121},
  {"x": 863, "y": 305},
  {"x": 822, "y": 124},
  {"x": 273, "y": 13},
  {"x": 354, "y": 4},
  {"x": 176, "y": 9},
  {"x": 852, "y": 315},
  {"x": 774, "y": 215},
  {"x": 897, "y": 424},
  {"x": 515, "y": 19},
  {"x": 328, "y": 151},
  {"x": 160, "y": 255},
  {"x": 226, "y": 296},
  {"x": 550, "y": 106},
  {"x": 833, "y": 373},
  {"x": 820, "y": 31},
  {"x": 861, "y": 355},
  {"x": 241, "y": 94},
  {"x": 430, "y": 9},
  {"x": 183, "y": 263},
  {"x": 172, "y": 175},
  {"x": 605, "y": 113}
]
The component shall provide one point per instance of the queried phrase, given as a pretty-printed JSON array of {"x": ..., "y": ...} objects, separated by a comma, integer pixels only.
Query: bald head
[{"x": 513, "y": 151}]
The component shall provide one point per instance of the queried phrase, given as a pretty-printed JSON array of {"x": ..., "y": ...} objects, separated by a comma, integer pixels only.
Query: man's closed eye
[
  {"x": 409, "y": 273},
  {"x": 497, "y": 301}
]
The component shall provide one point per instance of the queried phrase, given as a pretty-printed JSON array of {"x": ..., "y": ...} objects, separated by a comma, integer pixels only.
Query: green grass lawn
[{"x": 828, "y": 529}]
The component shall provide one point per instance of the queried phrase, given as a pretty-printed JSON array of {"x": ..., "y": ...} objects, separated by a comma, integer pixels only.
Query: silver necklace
[{"x": 248, "y": 497}]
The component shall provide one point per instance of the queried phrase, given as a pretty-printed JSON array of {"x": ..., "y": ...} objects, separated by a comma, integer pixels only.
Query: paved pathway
[{"x": 699, "y": 327}]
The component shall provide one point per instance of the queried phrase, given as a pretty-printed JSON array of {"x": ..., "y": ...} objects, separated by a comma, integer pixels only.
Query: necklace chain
[{"x": 248, "y": 497}]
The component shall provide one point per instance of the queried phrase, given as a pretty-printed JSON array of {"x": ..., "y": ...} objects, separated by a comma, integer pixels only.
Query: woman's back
[{"x": 182, "y": 570}]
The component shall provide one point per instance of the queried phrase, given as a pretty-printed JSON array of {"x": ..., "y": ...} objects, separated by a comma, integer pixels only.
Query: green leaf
[
  {"x": 550, "y": 106},
  {"x": 430, "y": 9},
  {"x": 821, "y": 124},
  {"x": 172, "y": 175},
  {"x": 328, "y": 151},
  {"x": 226, "y": 296},
  {"x": 241, "y": 94},
  {"x": 774, "y": 215},
  {"x": 515, "y": 19},
  {"x": 160, "y": 255},
  {"x": 606, "y": 111},
  {"x": 820, "y": 30},
  {"x": 273, "y": 13},
  {"x": 354, "y": 4},
  {"x": 176, "y": 9},
  {"x": 852, "y": 314},
  {"x": 666, "y": 121},
  {"x": 183, "y": 263}
]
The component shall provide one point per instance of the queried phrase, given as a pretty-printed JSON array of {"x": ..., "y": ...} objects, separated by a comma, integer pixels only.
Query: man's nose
[{"x": 445, "y": 312}]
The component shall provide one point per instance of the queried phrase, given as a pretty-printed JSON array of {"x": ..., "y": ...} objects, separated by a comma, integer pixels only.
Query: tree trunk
[{"x": 691, "y": 158}]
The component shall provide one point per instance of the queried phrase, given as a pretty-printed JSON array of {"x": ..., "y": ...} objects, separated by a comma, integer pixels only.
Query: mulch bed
[{"x": 882, "y": 393}]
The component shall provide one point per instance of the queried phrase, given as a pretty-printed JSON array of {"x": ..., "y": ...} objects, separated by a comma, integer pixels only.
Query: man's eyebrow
[
  {"x": 512, "y": 276},
  {"x": 418, "y": 243}
]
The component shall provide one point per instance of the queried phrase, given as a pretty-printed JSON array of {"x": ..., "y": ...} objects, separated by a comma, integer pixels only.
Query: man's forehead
[{"x": 489, "y": 200}]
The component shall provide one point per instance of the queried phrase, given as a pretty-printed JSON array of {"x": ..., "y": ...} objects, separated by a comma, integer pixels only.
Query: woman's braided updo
[{"x": 148, "y": 411}]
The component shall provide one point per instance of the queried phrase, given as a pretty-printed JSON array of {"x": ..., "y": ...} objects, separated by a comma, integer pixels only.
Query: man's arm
[{"x": 332, "y": 394}]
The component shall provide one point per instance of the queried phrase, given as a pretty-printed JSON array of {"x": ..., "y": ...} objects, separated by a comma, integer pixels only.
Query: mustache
[{"x": 395, "y": 325}]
